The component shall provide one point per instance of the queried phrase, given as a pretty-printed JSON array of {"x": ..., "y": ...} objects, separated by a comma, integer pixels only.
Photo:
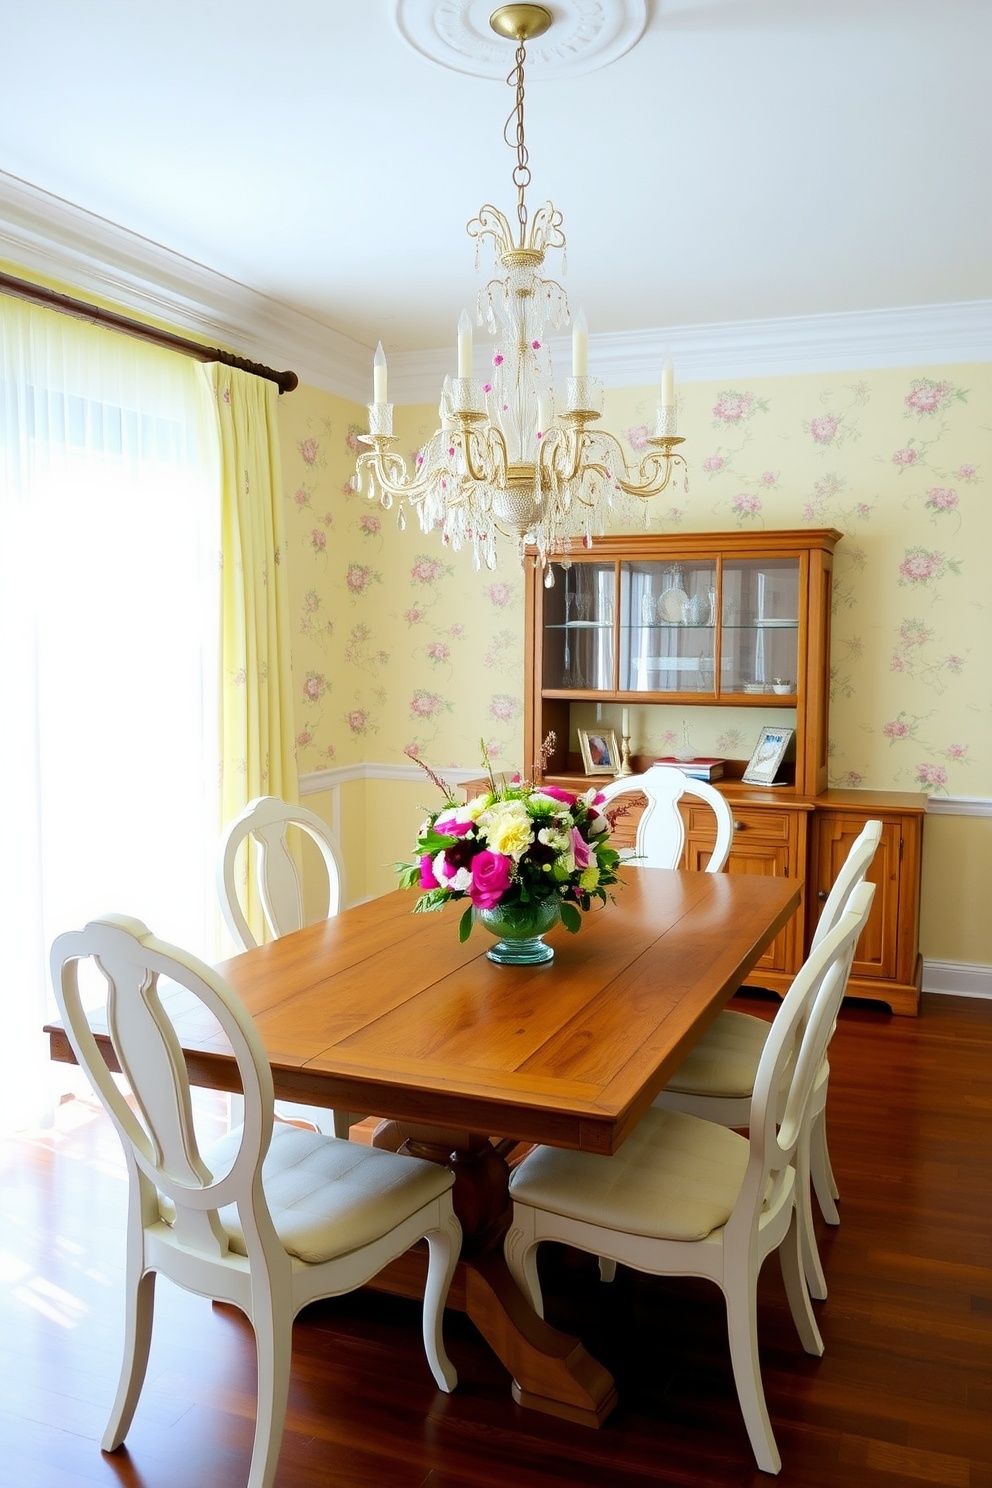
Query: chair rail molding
[
  {"x": 325, "y": 780},
  {"x": 46, "y": 235},
  {"x": 959, "y": 806}
]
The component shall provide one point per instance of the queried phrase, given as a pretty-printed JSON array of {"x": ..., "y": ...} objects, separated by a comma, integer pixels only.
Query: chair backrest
[
  {"x": 855, "y": 866},
  {"x": 280, "y": 889},
  {"x": 159, "y": 1136},
  {"x": 792, "y": 1057},
  {"x": 661, "y": 830}
]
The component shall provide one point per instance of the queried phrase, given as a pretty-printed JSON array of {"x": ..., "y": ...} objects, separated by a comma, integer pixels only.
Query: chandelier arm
[
  {"x": 655, "y": 472},
  {"x": 392, "y": 474},
  {"x": 491, "y": 222}
]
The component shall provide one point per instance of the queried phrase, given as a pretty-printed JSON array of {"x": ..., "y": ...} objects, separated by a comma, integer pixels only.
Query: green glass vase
[{"x": 520, "y": 928}]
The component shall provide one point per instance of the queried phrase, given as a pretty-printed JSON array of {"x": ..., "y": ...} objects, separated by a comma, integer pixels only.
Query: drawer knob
[
  {"x": 822, "y": 894},
  {"x": 738, "y": 826}
]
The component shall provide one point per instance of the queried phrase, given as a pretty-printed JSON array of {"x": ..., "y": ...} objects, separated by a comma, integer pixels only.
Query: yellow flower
[
  {"x": 507, "y": 827},
  {"x": 589, "y": 878}
]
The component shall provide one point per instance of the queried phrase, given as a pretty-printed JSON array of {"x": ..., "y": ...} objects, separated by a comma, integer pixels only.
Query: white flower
[
  {"x": 556, "y": 838},
  {"x": 597, "y": 825},
  {"x": 457, "y": 882}
]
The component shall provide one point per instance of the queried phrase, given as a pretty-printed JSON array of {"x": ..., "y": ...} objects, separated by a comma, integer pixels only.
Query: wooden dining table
[{"x": 381, "y": 1012}]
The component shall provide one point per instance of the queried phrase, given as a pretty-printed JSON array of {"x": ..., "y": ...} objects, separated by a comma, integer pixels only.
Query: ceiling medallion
[{"x": 587, "y": 35}]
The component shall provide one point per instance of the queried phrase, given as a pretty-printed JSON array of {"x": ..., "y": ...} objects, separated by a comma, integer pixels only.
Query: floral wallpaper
[{"x": 401, "y": 648}]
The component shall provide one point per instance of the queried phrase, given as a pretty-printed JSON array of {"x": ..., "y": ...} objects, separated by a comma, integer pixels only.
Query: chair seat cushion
[
  {"x": 675, "y": 1178},
  {"x": 725, "y": 1061},
  {"x": 328, "y": 1197}
]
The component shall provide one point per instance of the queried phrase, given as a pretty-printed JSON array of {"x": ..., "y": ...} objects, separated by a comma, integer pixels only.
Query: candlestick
[
  {"x": 379, "y": 376},
  {"x": 464, "y": 345},
  {"x": 668, "y": 384},
  {"x": 580, "y": 345}
]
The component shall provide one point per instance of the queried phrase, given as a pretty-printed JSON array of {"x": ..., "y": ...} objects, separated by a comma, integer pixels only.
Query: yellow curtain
[{"x": 257, "y": 736}]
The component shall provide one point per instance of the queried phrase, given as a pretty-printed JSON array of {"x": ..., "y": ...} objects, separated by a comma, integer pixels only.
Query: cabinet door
[
  {"x": 768, "y": 842},
  {"x": 877, "y": 951}
]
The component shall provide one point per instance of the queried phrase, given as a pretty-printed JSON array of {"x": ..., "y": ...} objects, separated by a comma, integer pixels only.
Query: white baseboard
[{"x": 957, "y": 979}]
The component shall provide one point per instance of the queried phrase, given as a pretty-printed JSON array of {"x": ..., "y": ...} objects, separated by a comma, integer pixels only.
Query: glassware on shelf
[
  {"x": 672, "y": 598},
  {"x": 694, "y": 610}
]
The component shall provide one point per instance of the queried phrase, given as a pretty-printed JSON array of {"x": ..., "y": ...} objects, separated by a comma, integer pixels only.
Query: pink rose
[
  {"x": 427, "y": 879},
  {"x": 557, "y": 794},
  {"x": 714, "y": 462},
  {"x": 581, "y": 849},
  {"x": 447, "y": 826},
  {"x": 638, "y": 437},
  {"x": 490, "y": 878},
  {"x": 824, "y": 428},
  {"x": 907, "y": 456}
]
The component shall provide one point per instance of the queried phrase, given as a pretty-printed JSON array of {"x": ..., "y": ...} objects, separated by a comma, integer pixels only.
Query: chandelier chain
[{"x": 515, "y": 126}]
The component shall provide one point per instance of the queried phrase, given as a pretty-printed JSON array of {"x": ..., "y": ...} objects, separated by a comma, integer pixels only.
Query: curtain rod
[{"x": 23, "y": 289}]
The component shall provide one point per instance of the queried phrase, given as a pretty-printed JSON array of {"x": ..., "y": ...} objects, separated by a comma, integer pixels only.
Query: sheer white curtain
[{"x": 109, "y": 635}]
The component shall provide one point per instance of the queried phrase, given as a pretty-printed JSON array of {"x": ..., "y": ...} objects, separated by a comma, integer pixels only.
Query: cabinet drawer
[{"x": 770, "y": 826}]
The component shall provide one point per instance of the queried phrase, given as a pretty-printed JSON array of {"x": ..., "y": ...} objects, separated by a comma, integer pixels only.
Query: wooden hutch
[{"x": 737, "y": 622}]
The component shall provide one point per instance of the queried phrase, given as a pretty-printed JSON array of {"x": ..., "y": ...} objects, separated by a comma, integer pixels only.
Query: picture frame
[
  {"x": 600, "y": 751},
  {"x": 769, "y": 753}
]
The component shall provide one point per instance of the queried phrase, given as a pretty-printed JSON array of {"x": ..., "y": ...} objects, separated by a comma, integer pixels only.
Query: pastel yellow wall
[
  {"x": 403, "y": 649},
  {"x": 957, "y": 871}
]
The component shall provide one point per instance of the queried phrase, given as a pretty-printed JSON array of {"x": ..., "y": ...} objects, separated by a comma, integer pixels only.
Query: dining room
[{"x": 747, "y": 550}]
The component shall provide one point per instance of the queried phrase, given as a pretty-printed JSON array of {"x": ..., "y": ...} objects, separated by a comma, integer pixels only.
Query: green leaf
[
  {"x": 433, "y": 899},
  {"x": 465, "y": 924},
  {"x": 570, "y": 917}
]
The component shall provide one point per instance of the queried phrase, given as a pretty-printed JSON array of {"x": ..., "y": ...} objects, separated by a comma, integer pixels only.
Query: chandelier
[{"x": 506, "y": 458}]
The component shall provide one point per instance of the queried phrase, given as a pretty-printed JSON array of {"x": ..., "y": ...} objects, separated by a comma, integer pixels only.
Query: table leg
[{"x": 551, "y": 1370}]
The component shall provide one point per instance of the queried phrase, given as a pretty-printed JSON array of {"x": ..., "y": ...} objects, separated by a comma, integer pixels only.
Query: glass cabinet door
[
  {"x": 579, "y": 613},
  {"x": 760, "y": 626},
  {"x": 668, "y": 615}
]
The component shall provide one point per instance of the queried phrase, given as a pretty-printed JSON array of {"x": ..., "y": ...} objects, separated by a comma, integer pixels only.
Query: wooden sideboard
[{"x": 755, "y": 606}]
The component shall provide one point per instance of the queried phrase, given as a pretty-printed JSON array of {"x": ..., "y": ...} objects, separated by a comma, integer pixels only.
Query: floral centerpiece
[{"x": 522, "y": 855}]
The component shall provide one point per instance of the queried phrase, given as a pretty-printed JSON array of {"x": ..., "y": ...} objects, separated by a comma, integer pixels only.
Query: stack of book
[{"x": 698, "y": 769}]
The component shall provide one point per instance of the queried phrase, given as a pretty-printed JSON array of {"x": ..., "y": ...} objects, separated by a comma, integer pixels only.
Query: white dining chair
[
  {"x": 269, "y": 1218},
  {"x": 265, "y": 821},
  {"x": 716, "y": 1081},
  {"x": 686, "y": 1197},
  {"x": 661, "y": 831}
]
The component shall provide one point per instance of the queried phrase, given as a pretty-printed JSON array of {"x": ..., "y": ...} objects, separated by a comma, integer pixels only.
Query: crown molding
[
  {"x": 46, "y": 235},
  {"x": 912, "y": 336}
]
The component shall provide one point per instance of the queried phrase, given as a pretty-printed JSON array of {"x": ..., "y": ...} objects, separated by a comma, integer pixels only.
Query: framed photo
[
  {"x": 600, "y": 751},
  {"x": 768, "y": 755}
]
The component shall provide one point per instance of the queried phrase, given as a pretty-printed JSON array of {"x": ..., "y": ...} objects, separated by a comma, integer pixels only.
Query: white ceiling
[{"x": 747, "y": 159}]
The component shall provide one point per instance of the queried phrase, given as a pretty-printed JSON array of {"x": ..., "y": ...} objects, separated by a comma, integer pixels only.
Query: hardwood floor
[{"x": 903, "y": 1394}]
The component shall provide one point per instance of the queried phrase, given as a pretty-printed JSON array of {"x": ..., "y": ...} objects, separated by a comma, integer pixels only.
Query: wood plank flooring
[{"x": 902, "y": 1396}]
